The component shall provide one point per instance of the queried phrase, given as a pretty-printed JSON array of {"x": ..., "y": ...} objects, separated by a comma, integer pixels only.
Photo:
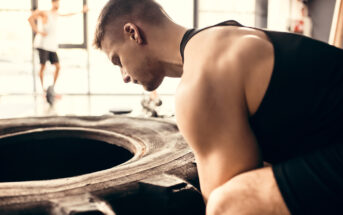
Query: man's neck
[{"x": 167, "y": 48}]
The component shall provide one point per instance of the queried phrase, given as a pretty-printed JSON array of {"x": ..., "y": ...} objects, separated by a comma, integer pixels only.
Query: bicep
[
  {"x": 212, "y": 113},
  {"x": 214, "y": 122}
]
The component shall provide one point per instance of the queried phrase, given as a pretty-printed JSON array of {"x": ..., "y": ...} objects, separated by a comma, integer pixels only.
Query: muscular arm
[{"x": 212, "y": 113}]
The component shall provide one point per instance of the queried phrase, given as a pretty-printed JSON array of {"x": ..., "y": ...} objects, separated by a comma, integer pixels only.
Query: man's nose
[{"x": 126, "y": 77}]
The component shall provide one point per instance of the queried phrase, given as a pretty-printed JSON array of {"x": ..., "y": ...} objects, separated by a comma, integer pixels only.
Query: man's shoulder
[
  {"x": 206, "y": 44},
  {"x": 210, "y": 47},
  {"x": 226, "y": 49},
  {"x": 217, "y": 65}
]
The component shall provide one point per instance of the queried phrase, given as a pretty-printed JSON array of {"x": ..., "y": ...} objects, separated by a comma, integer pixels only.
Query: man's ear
[{"x": 133, "y": 33}]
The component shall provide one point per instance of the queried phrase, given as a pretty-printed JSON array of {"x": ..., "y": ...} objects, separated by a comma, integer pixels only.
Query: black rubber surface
[{"x": 74, "y": 165}]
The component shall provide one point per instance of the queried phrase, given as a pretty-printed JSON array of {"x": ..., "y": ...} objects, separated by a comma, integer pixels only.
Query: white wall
[
  {"x": 215, "y": 11},
  {"x": 279, "y": 14}
]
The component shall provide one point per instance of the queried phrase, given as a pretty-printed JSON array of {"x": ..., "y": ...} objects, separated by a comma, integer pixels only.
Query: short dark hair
[{"x": 117, "y": 12}]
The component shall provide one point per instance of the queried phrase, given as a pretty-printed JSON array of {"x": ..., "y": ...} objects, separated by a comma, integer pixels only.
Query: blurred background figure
[
  {"x": 151, "y": 103},
  {"x": 46, "y": 41},
  {"x": 303, "y": 22}
]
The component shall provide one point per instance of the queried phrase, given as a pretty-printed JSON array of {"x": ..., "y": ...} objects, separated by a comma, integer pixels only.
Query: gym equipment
[
  {"x": 120, "y": 110},
  {"x": 96, "y": 165},
  {"x": 150, "y": 106}
]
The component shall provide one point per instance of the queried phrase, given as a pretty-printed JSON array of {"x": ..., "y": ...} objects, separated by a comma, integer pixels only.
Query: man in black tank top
[{"x": 246, "y": 96}]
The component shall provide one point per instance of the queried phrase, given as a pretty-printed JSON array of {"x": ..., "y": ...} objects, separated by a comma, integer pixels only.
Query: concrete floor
[{"x": 13, "y": 106}]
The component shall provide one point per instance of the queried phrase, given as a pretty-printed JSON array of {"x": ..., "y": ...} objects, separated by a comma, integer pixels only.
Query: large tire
[{"x": 160, "y": 178}]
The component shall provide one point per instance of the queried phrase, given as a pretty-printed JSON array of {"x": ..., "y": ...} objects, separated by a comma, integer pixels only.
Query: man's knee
[
  {"x": 253, "y": 192},
  {"x": 216, "y": 203},
  {"x": 230, "y": 198},
  {"x": 57, "y": 65}
]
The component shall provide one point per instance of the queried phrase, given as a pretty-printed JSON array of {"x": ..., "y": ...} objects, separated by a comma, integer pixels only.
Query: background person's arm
[
  {"x": 32, "y": 20},
  {"x": 84, "y": 10}
]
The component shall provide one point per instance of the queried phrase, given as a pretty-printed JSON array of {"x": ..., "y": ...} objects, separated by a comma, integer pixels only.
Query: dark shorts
[
  {"x": 313, "y": 183},
  {"x": 45, "y": 55}
]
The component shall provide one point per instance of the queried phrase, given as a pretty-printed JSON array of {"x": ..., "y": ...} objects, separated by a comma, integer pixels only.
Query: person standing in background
[
  {"x": 46, "y": 41},
  {"x": 303, "y": 24}
]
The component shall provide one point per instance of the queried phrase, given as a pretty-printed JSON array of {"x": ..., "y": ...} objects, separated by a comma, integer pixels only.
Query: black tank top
[{"x": 302, "y": 109}]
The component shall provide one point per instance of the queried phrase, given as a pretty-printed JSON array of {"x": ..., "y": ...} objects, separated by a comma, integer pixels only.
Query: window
[{"x": 16, "y": 49}]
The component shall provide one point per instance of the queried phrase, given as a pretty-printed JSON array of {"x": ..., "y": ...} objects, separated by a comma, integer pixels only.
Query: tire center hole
[{"x": 26, "y": 159}]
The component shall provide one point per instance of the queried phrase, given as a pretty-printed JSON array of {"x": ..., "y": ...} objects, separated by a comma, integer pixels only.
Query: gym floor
[{"x": 12, "y": 106}]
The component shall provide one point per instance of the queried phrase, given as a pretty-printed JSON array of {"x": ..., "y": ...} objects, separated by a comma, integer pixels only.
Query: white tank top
[{"x": 50, "y": 41}]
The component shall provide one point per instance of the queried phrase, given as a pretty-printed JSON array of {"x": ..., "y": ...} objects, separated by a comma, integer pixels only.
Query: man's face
[
  {"x": 56, "y": 5},
  {"x": 135, "y": 62}
]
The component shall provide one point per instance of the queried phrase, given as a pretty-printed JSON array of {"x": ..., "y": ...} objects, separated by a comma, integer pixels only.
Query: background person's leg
[
  {"x": 55, "y": 61},
  {"x": 41, "y": 75},
  {"x": 57, "y": 71},
  {"x": 43, "y": 57}
]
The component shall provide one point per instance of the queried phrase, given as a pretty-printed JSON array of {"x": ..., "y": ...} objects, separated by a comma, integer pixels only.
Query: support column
[{"x": 34, "y": 6}]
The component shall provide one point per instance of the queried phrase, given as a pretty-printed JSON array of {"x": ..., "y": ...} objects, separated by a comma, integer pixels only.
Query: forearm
[
  {"x": 33, "y": 25},
  {"x": 70, "y": 14},
  {"x": 84, "y": 10}
]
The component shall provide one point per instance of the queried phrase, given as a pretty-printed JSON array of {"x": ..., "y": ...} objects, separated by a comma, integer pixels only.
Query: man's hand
[{"x": 85, "y": 9}]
